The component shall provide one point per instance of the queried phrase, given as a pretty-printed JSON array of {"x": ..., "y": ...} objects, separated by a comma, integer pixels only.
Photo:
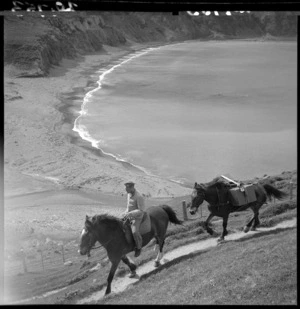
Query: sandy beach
[{"x": 41, "y": 150}]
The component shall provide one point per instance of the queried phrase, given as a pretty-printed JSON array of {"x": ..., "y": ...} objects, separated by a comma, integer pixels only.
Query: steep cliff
[{"x": 33, "y": 44}]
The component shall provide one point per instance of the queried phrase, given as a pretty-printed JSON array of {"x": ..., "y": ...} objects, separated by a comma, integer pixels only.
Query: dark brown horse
[
  {"x": 216, "y": 193},
  {"x": 109, "y": 232}
]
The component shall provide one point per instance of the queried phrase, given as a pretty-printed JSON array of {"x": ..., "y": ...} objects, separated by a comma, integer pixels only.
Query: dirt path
[{"x": 120, "y": 284}]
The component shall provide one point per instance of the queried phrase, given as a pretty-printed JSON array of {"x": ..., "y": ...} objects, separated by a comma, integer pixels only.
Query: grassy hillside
[
  {"x": 231, "y": 268},
  {"x": 33, "y": 44},
  {"x": 244, "y": 272}
]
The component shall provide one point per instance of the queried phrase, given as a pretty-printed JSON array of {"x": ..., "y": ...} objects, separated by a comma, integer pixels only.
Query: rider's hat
[{"x": 129, "y": 184}]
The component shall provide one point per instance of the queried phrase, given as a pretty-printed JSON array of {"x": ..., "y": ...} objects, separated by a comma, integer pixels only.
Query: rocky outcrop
[{"x": 33, "y": 44}]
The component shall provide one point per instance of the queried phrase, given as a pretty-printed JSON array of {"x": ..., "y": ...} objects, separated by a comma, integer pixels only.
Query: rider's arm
[{"x": 126, "y": 211}]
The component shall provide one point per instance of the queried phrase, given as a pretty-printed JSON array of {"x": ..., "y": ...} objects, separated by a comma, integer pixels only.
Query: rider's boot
[{"x": 138, "y": 243}]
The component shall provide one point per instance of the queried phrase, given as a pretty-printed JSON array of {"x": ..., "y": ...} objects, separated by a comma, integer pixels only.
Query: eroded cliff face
[{"x": 33, "y": 44}]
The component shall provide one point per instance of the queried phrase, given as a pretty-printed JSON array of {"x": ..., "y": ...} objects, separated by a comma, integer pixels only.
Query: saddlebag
[{"x": 240, "y": 198}]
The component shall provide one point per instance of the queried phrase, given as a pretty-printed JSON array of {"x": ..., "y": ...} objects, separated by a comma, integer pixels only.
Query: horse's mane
[
  {"x": 107, "y": 218},
  {"x": 212, "y": 183}
]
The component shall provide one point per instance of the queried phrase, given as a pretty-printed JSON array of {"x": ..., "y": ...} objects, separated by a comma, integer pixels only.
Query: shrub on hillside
[{"x": 276, "y": 209}]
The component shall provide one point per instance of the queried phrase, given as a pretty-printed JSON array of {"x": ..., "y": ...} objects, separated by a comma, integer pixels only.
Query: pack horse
[
  {"x": 117, "y": 238},
  {"x": 226, "y": 197}
]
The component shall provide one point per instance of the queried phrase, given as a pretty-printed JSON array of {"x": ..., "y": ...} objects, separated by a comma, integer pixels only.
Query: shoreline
[
  {"x": 82, "y": 132},
  {"x": 53, "y": 155},
  {"x": 68, "y": 111}
]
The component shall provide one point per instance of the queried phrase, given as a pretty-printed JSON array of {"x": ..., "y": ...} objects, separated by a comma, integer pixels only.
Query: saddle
[{"x": 145, "y": 227}]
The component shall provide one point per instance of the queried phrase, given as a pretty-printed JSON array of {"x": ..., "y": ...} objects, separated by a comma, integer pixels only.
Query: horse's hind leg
[
  {"x": 256, "y": 220},
  {"x": 225, "y": 232},
  {"x": 130, "y": 264},
  {"x": 159, "y": 254},
  {"x": 248, "y": 225}
]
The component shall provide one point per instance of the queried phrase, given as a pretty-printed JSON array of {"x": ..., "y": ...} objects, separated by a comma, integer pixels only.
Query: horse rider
[{"x": 135, "y": 212}]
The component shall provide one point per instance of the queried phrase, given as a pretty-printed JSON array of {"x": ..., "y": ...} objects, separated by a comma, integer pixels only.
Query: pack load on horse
[
  {"x": 225, "y": 195},
  {"x": 116, "y": 237},
  {"x": 239, "y": 193}
]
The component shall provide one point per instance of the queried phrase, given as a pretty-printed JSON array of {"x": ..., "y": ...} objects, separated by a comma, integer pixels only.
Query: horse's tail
[
  {"x": 171, "y": 214},
  {"x": 272, "y": 191}
]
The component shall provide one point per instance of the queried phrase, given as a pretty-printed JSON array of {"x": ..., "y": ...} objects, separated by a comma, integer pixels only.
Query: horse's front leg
[
  {"x": 111, "y": 274},
  {"x": 225, "y": 232},
  {"x": 131, "y": 265},
  {"x": 208, "y": 229}
]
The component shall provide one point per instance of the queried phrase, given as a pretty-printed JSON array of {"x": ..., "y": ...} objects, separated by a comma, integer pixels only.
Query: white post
[{"x": 184, "y": 211}]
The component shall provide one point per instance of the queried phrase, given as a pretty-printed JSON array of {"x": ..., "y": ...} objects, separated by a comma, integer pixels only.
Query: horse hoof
[
  {"x": 133, "y": 274},
  {"x": 157, "y": 264},
  {"x": 220, "y": 240},
  {"x": 253, "y": 229},
  {"x": 246, "y": 229}
]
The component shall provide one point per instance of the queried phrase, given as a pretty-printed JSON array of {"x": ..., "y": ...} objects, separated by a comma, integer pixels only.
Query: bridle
[{"x": 198, "y": 194}]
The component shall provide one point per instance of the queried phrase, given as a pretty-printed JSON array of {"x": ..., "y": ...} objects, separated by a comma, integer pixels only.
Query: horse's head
[
  {"x": 197, "y": 197},
  {"x": 87, "y": 238}
]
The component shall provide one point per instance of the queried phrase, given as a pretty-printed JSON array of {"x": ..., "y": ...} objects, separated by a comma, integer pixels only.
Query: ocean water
[{"x": 194, "y": 110}]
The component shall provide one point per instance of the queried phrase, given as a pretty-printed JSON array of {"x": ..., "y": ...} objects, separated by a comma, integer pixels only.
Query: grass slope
[{"x": 260, "y": 272}]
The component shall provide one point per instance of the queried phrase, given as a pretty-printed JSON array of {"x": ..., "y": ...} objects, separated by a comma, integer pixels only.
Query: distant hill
[{"x": 33, "y": 44}]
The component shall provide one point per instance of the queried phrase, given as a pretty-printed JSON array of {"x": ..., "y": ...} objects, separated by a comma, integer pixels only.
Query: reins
[{"x": 102, "y": 245}]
